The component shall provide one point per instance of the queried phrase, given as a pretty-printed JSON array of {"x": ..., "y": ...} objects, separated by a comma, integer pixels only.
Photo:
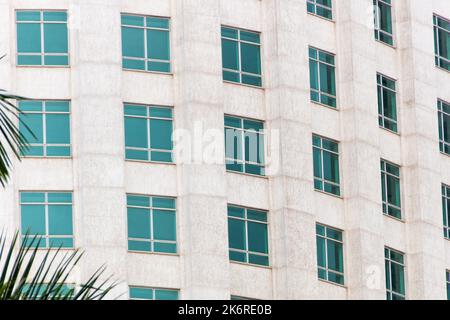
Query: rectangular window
[
  {"x": 244, "y": 145},
  {"x": 145, "y": 43},
  {"x": 47, "y": 215},
  {"x": 322, "y": 77},
  {"x": 444, "y": 126},
  {"x": 46, "y": 127},
  {"x": 448, "y": 284},
  {"x": 390, "y": 188},
  {"x": 395, "y": 274},
  {"x": 151, "y": 224},
  {"x": 387, "y": 103},
  {"x": 148, "y": 133},
  {"x": 326, "y": 165},
  {"x": 320, "y": 7},
  {"x": 330, "y": 256},
  {"x": 142, "y": 293},
  {"x": 442, "y": 42},
  {"x": 446, "y": 210},
  {"x": 42, "y": 38},
  {"x": 383, "y": 21},
  {"x": 61, "y": 291},
  {"x": 248, "y": 236},
  {"x": 241, "y": 56}
]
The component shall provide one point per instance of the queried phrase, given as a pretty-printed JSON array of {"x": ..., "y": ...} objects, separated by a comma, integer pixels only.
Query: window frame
[
  {"x": 42, "y": 54},
  {"x": 446, "y": 210},
  {"x": 316, "y": 4},
  {"x": 152, "y": 240},
  {"x": 147, "y": 118},
  {"x": 247, "y": 252},
  {"x": 45, "y": 238},
  {"x": 44, "y": 145},
  {"x": 244, "y": 163},
  {"x": 153, "y": 289},
  {"x": 385, "y": 202},
  {"x": 382, "y": 117},
  {"x": 322, "y": 180},
  {"x": 320, "y": 92},
  {"x": 239, "y": 41},
  {"x": 441, "y": 114},
  {"x": 377, "y": 20},
  {"x": 326, "y": 269},
  {"x": 436, "y": 26},
  {"x": 390, "y": 261},
  {"x": 448, "y": 283},
  {"x": 146, "y": 59}
]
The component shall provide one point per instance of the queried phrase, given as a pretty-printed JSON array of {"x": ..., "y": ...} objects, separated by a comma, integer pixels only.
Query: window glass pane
[
  {"x": 164, "y": 225},
  {"x": 314, "y": 75},
  {"x": 34, "y": 133},
  {"x": 29, "y": 38},
  {"x": 163, "y": 203},
  {"x": 233, "y": 144},
  {"x": 141, "y": 293},
  {"x": 251, "y": 59},
  {"x": 55, "y": 16},
  {"x": 393, "y": 191},
  {"x": 257, "y": 237},
  {"x": 60, "y": 220},
  {"x": 33, "y": 219},
  {"x": 161, "y": 112},
  {"x": 398, "y": 281},
  {"x": 139, "y": 201},
  {"x": 250, "y": 36},
  {"x": 55, "y": 38},
  {"x": 133, "y": 42},
  {"x": 58, "y": 128},
  {"x": 236, "y": 212},
  {"x": 237, "y": 234},
  {"x": 161, "y": 134},
  {"x": 57, "y": 106},
  {"x": 229, "y": 33},
  {"x": 321, "y": 254},
  {"x": 166, "y": 295},
  {"x": 327, "y": 80},
  {"x": 158, "y": 44},
  {"x": 154, "y": 22},
  {"x": 28, "y": 16},
  {"x": 56, "y": 60},
  {"x": 138, "y": 223},
  {"x": 230, "y": 55},
  {"x": 331, "y": 167},
  {"x": 54, "y": 197},
  {"x": 334, "y": 252},
  {"x": 136, "y": 132},
  {"x": 32, "y": 197}
]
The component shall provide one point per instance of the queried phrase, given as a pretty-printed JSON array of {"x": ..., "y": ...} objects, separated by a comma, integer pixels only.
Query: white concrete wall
[{"x": 99, "y": 177}]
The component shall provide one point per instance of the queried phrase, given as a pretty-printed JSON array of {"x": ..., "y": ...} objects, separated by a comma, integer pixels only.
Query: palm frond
[{"x": 23, "y": 277}]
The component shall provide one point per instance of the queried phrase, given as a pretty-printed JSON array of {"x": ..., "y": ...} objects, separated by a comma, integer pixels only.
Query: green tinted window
[
  {"x": 241, "y": 56},
  {"x": 49, "y": 216},
  {"x": 248, "y": 236},
  {"x": 145, "y": 43},
  {"x": 395, "y": 275},
  {"x": 442, "y": 42},
  {"x": 320, "y": 7},
  {"x": 244, "y": 145},
  {"x": 383, "y": 21},
  {"x": 330, "y": 259},
  {"x": 444, "y": 126},
  {"x": 326, "y": 165},
  {"x": 446, "y": 210},
  {"x": 387, "y": 103},
  {"x": 46, "y": 126},
  {"x": 390, "y": 187},
  {"x": 322, "y": 77},
  {"x": 141, "y": 293},
  {"x": 42, "y": 38},
  {"x": 150, "y": 228},
  {"x": 148, "y": 133},
  {"x": 448, "y": 284}
]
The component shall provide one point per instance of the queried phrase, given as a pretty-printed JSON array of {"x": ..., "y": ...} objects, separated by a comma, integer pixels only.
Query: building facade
[{"x": 330, "y": 182}]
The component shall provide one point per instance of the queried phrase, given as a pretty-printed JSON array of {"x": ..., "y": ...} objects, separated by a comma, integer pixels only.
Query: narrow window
[
  {"x": 395, "y": 274},
  {"x": 330, "y": 258},
  {"x": 326, "y": 165},
  {"x": 46, "y": 219},
  {"x": 145, "y": 43},
  {"x": 143, "y": 293},
  {"x": 248, "y": 236},
  {"x": 151, "y": 224},
  {"x": 387, "y": 103},
  {"x": 46, "y": 127},
  {"x": 446, "y": 210},
  {"x": 241, "y": 56},
  {"x": 444, "y": 126},
  {"x": 442, "y": 42},
  {"x": 244, "y": 145},
  {"x": 448, "y": 284},
  {"x": 383, "y": 21},
  {"x": 390, "y": 187},
  {"x": 148, "y": 133},
  {"x": 320, "y": 7},
  {"x": 322, "y": 77},
  {"x": 42, "y": 38}
]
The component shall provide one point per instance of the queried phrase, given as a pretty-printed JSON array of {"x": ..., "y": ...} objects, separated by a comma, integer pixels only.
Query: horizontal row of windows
[
  {"x": 42, "y": 40},
  {"x": 47, "y": 222}
]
